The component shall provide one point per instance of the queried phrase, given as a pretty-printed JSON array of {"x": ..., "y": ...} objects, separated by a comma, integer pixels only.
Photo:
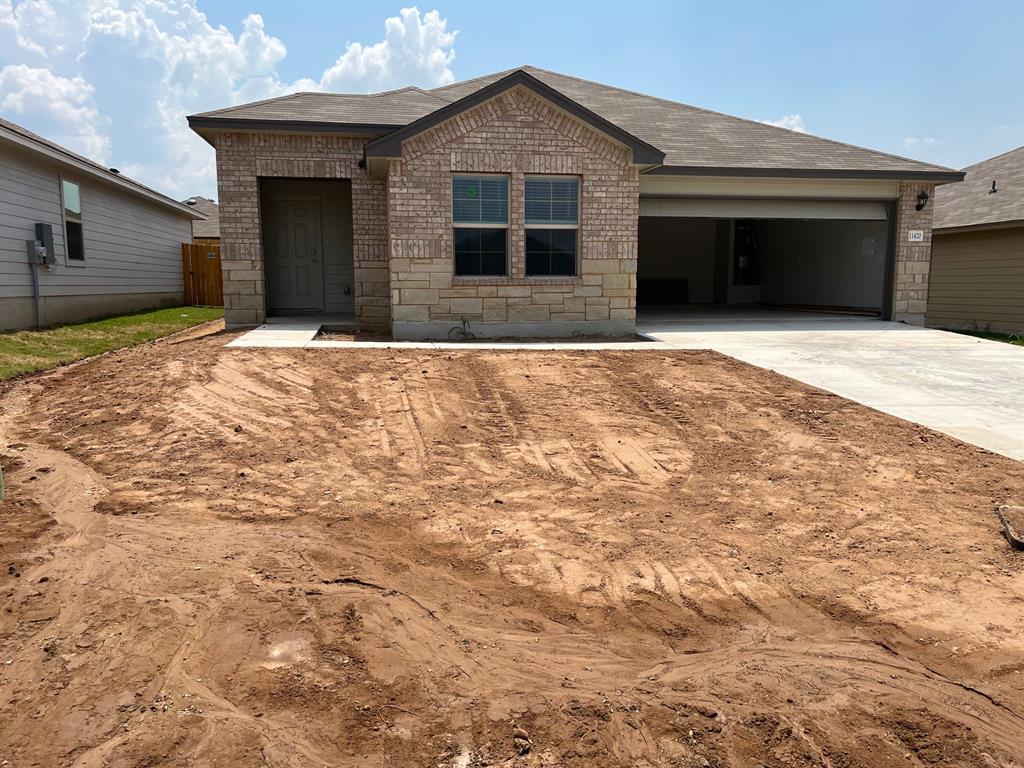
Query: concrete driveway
[{"x": 969, "y": 388}]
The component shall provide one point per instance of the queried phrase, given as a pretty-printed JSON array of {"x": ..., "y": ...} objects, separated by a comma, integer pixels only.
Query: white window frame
[
  {"x": 482, "y": 225},
  {"x": 68, "y": 261},
  {"x": 576, "y": 226}
]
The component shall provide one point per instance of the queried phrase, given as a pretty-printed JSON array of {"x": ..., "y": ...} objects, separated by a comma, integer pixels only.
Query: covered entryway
[
  {"x": 307, "y": 246},
  {"x": 802, "y": 254}
]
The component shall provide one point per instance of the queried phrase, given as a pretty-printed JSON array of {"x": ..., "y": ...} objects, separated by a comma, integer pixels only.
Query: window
[
  {"x": 552, "y": 225},
  {"x": 74, "y": 247},
  {"x": 480, "y": 225}
]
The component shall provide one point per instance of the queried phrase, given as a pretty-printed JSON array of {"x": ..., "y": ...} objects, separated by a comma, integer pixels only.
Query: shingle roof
[
  {"x": 694, "y": 140},
  {"x": 34, "y": 141},
  {"x": 692, "y": 137},
  {"x": 391, "y": 108},
  {"x": 210, "y": 227},
  {"x": 971, "y": 203}
]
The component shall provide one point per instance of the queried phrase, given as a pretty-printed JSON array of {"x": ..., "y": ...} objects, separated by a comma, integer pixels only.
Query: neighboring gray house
[
  {"x": 206, "y": 231},
  {"x": 533, "y": 203},
  {"x": 977, "y": 275},
  {"x": 116, "y": 245}
]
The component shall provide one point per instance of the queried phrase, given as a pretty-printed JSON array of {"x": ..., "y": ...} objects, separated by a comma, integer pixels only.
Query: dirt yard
[{"x": 254, "y": 557}]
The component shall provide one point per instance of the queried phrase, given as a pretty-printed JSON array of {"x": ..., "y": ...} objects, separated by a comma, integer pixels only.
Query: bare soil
[{"x": 256, "y": 557}]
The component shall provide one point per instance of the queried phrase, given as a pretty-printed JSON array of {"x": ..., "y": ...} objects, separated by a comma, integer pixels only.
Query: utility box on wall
[{"x": 44, "y": 239}]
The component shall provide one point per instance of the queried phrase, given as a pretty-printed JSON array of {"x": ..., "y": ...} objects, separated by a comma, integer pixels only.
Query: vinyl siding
[
  {"x": 977, "y": 280},
  {"x": 132, "y": 246}
]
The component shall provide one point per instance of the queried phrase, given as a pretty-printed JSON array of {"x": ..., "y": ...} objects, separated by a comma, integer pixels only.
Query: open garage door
[
  {"x": 824, "y": 210},
  {"x": 821, "y": 254}
]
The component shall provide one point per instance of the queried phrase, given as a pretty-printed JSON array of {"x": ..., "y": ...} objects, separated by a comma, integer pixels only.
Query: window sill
[{"x": 460, "y": 280}]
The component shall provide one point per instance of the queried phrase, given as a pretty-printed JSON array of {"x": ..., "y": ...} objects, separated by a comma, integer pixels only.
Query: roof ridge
[
  {"x": 497, "y": 75},
  {"x": 741, "y": 119},
  {"x": 216, "y": 112},
  {"x": 994, "y": 157},
  {"x": 415, "y": 88},
  {"x": 287, "y": 96},
  {"x": 386, "y": 93}
]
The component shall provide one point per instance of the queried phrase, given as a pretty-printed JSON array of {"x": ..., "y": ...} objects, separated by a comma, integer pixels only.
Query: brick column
[
  {"x": 913, "y": 259},
  {"x": 370, "y": 251},
  {"x": 241, "y": 250}
]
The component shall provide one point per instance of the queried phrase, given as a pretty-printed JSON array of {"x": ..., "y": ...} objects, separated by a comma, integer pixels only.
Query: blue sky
[{"x": 942, "y": 82}]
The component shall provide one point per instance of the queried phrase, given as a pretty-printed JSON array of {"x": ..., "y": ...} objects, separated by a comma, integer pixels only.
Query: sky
[{"x": 114, "y": 79}]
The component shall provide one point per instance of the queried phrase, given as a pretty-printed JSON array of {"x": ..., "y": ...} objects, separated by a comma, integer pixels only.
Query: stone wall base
[
  {"x": 446, "y": 329},
  {"x": 910, "y": 318}
]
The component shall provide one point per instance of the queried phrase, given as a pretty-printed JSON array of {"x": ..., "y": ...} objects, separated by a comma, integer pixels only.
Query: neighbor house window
[
  {"x": 480, "y": 225},
  {"x": 72, "y": 221},
  {"x": 552, "y": 225}
]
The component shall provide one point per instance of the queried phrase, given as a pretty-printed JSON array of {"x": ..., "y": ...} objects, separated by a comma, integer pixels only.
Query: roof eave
[
  {"x": 936, "y": 176},
  {"x": 201, "y": 124},
  {"x": 977, "y": 227},
  {"x": 391, "y": 144},
  {"x": 97, "y": 172}
]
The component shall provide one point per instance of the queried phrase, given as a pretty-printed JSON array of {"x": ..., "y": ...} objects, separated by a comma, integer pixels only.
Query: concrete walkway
[
  {"x": 302, "y": 334},
  {"x": 969, "y": 388}
]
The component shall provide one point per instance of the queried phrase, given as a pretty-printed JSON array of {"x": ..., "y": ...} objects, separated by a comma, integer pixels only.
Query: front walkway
[{"x": 969, "y": 388}]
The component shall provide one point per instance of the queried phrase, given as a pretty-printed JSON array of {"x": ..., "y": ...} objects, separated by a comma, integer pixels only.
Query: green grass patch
[
  {"x": 28, "y": 351},
  {"x": 1008, "y": 338}
]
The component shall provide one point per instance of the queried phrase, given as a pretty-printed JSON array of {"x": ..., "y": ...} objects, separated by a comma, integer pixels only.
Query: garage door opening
[{"x": 821, "y": 264}]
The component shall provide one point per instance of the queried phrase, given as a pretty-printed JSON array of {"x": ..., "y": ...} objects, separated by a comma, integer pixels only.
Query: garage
[{"x": 830, "y": 255}]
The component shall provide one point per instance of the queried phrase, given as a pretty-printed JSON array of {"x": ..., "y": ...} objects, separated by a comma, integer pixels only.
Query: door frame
[{"x": 266, "y": 200}]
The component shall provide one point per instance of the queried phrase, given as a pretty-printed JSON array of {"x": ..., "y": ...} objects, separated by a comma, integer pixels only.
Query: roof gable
[
  {"x": 391, "y": 144},
  {"x": 971, "y": 203}
]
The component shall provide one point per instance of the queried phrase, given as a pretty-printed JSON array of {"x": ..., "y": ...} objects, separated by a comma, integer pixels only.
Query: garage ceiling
[{"x": 714, "y": 208}]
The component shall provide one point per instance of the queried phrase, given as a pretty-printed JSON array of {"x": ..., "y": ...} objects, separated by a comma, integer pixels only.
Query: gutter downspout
[{"x": 33, "y": 261}]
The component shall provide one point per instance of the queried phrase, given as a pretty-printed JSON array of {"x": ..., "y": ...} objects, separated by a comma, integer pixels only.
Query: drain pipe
[
  {"x": 40, "y": 254},
  {"x": 36, "y": 252}
]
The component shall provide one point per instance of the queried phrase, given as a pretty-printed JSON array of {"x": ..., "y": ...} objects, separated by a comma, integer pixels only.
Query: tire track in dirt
[{"x": 610, "y": 551}]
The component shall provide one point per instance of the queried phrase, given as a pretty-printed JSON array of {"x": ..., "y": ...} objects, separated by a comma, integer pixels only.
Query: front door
[{"x": 293, "y": 254}]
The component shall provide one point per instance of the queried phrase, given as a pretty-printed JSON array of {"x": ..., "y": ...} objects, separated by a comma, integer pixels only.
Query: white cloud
[
  {"x": 138, "y": 67},
  {"x": 36, "y": 96},
  {"x": 32, "y": 15},
  {"x": 789, "y": 122},
  {"x": 415, "y": 49},
  {"x": 920, "y": 143}
]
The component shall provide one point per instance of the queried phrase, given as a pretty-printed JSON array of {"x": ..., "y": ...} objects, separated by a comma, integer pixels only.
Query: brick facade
[
  {"x": 242, "y": 158},
  {"x": 402, "y": 229},
  {"x": 516, "y": 133},
  {"x": 913, "y": 260}
]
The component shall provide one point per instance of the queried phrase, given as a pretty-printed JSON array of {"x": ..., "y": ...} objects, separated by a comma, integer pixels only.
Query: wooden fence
[{"x": 200, "y": 264}]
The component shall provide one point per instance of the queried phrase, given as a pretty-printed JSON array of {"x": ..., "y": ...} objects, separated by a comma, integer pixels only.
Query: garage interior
[{"x": 801, "y": 255}]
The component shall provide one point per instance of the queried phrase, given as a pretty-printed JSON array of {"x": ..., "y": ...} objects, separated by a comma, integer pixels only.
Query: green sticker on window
[{"x": 470, "y": 191}]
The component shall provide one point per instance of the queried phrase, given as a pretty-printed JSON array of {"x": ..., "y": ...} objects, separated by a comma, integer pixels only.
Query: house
[
  {"x": 205, "y": 231},
  {"x": 108, "y": 244},
  {"x": 977, "y": 274},
  {"x": 533, "y": 203}
]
